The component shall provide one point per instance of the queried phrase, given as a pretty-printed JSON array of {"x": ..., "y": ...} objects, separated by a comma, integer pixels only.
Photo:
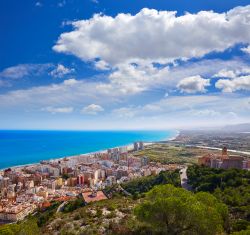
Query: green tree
[
  {"x": 28, "y": 227},
  {"x": 175, "y": 211},
  {"x": 144, "y": 184}
]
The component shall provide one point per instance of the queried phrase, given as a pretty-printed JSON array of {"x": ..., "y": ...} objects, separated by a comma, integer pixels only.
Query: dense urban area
[{"x": 198, "y": 183}]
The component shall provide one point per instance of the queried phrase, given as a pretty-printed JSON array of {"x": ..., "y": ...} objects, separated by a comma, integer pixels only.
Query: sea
[{"x": 25, "y": 147}]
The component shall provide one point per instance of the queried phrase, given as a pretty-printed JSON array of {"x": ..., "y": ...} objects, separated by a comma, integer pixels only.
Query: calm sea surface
[{"x": 23, "y": 147}]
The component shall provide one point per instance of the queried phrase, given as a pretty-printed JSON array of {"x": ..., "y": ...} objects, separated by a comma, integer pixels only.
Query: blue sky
[{"x": 88, "y": 64}]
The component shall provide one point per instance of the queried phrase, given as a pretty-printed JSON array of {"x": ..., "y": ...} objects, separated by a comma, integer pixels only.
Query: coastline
[{"x": 129, "y": 147}]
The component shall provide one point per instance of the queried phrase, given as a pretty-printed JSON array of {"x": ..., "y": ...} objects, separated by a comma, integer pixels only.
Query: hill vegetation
[
  {"x": 157, "y": 205},
  {"x": 231, "y": 187},
  {"x": 144, "y": 184}
]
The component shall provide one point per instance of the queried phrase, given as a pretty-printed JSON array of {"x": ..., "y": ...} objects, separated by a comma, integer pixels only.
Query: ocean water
[{"x": 24, "y": 147}]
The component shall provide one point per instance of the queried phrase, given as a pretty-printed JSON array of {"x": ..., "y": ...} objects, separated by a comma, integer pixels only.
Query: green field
[{"x": 167, "y": 153}]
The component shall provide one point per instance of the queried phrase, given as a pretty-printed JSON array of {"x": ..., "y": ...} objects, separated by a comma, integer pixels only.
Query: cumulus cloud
[
  {"x": 55, "y": 110},
  {"x": 101, "y": 65},
  {"x": 233, "y": 80},
  {"x": 92, "y": 109},
  {"x": 233, "y": 72},
  {"x": 193, "y": 84},
  {"x": 231, "y": 85},
  {"x": 164, "y": 36},
  {"x": 60, "y": 71},
  {"x": 119, "y": 87},
  {"x": 225, "y": 74},
  {"x": 246, "y": 49},
  {"x": 133, "y": 78}
]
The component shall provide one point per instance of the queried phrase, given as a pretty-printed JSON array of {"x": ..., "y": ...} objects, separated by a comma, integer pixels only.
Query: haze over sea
[{"x": 25, "y": 147}]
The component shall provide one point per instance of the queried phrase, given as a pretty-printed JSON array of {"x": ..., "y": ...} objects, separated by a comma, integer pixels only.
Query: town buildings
[
  {"x": 23, "y": 189},
  {"x": 224, "y": 161}
]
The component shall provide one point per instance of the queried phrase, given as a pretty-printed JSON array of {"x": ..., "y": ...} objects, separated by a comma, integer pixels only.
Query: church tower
[{"x": 224, "y": 153}]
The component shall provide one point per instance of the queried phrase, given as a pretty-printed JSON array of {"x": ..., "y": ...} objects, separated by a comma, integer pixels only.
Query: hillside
[{"x": 155, "y": 207}]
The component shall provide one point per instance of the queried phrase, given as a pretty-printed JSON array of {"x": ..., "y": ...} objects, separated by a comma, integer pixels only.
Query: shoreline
[{"x": 130, "y": 145}]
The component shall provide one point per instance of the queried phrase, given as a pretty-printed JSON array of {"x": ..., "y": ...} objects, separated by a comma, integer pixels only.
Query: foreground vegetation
[
  {"x": 165, "y": 209},
  {"x": 27, "y": 227},
  {"x": 170, "y": 210},
  {"x": 220, "y": 204},
  {"x": 231, "y": 187},
  {"x": 144, "y": 184}
]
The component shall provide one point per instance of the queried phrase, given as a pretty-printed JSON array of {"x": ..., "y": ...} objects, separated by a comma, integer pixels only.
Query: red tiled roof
[{"x": 88, "y": 197}]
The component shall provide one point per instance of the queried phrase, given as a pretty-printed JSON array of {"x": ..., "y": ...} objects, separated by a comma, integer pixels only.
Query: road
[
  {"x": 214, "y": 148},
  {"x": 60, "y": 208},
  {"x": 183, "y": 177}
]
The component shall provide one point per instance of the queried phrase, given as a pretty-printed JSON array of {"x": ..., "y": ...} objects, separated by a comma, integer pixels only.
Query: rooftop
[{"x": 93, "y": 197}]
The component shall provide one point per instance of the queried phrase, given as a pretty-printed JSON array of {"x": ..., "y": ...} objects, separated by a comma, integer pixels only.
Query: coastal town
[
  {"x": 125, "y": 117},
  {"x": 24, "y": 189},
  {"x": 27, "y": 188}
]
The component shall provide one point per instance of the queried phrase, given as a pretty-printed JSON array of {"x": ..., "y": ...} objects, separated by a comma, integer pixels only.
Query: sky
[{"x": 124, "y": 64}]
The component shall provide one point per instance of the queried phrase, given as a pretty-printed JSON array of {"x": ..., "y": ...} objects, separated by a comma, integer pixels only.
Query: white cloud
[
  {"x": 137, "y": 78},
  {"x": 131, "y": 51},
  {"x": 15, "y": 72},
  {"x": 163, "y": 37},
  {"x": 33, "y": 70},
  {"x": 60, "y": 71},
  {"x": 118, "y": 88},
  {"x": 191, "y": 110},
  {"x": 246, "y": 50},
  {"x": 23, "y": 70},
  {"x": 193, "y": 84},
  {"x": 70, "y": 93},
  {"x": 206, "y": 113},
  {"x": 92, "y": 109},
  {"x": 70, "y": 82},
  {"x": 101, "y": 65},
  {"x": 238, "y": 83},
  {"x": 55, "y": 110},
  {"x": 225, "y": 74}
]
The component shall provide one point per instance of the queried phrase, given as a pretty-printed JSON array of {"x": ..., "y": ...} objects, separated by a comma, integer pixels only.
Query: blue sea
[{"x": 24, "y": 147}]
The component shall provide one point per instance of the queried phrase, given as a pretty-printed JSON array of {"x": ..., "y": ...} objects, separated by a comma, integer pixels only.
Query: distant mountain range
[{"x": 244, "y": 127}]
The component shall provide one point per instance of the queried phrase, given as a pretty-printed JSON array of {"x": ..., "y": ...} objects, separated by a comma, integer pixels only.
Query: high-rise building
[
  {"x": 141, "y": 145},
  {"x": 224, "y": 153},
  {"x": 136, "y": 146},
  {"x": 80, "y": 179}
]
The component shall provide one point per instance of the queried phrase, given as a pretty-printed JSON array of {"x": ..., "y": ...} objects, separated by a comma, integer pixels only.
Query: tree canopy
[
  {"x": 28, "y": 227},
  {"x": 144, "y": 184},
  {"x": 231, "y": 187},
  {"x": 175, "y": 211}
]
